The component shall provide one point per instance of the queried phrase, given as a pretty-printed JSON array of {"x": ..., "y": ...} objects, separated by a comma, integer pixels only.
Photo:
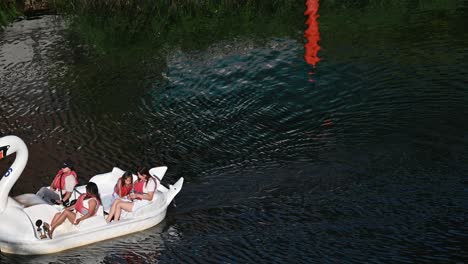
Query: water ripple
[{"x": 359, "y": 161}]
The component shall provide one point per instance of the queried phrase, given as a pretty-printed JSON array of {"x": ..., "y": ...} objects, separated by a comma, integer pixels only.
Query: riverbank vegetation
[
  {"x": 192, "y": 24},
  {"x": 7, "y": 12},
  {"x": 131, "y": 31},
  {"x": 185, "y": 24}
]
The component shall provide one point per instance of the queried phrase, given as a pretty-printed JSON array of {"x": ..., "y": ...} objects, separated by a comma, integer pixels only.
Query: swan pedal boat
[{"x": 18, "y": 216}]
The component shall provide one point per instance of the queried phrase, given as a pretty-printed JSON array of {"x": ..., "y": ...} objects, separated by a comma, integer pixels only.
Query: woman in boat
[
  {"x": 85, "y": 207},
  {"x": 124, "y": 186},
  {"x": 144, "y": 189}
]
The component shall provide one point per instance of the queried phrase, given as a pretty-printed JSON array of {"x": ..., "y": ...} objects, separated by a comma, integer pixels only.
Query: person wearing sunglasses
[{"x": 62, "y": 186}]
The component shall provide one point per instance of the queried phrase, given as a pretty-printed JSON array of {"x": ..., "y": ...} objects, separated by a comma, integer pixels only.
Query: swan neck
[{"x": 10, "y": 145}]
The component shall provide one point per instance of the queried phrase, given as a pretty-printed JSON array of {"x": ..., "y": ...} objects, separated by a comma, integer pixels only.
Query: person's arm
[
  {"x": 145, "y": 196},
  {"x": 151, "y": 186},
  {"x": 71, "y": 207},
  {"x": 119, "y": 187},
  {"x": 66, "y": 197},
  {"x": 52, "y": 187},
  {"x": 92, "y": 209}
]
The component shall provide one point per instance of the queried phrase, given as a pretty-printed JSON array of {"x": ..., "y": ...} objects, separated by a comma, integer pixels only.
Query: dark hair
[
  {"x": 144, "y": 171},
  {"x": 67, "y": 164},
  {"x": 92, "y": 188},
  {"x": 127, "y": 174}
]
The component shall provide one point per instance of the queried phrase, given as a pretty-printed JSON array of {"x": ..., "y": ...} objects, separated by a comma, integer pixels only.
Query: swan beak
[{"x": 3, "y": 151}]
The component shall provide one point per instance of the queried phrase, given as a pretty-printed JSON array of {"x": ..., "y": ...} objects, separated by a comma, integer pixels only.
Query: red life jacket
[
  {"x": 56, "y": 181},
  {"x": 79, "y": 206},
  {"x": 124, "y": 189},
  {"x": 139, "y": 185}
]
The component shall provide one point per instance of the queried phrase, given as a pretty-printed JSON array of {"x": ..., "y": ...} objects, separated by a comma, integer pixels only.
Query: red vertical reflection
[{"x": 312, "y": 33}]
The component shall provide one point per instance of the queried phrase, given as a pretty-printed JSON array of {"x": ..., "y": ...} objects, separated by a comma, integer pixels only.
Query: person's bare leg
[
  {"x": 67, "y": 214},
  {"x": 127, "y": 206},
  {"x": 112, "y": 210},
  {"x": 54, "y": 220}
]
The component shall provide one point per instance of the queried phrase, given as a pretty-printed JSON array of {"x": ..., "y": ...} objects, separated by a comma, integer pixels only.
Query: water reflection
[{"x": 312, "y": 33}]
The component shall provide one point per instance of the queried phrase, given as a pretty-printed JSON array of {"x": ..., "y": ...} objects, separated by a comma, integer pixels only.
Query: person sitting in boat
[
  {"x": 144, "y": 189},
  {"x": 85, "y": 207},
  {"x": 62, "y": 186},
  {"x": 123, "y": 187}
]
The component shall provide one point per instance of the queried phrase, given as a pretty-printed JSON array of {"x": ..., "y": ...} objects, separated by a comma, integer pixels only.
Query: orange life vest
[
  {"x": 124, "y": 189},
  {"x": 79, "y": 206},
  {"x": 59, "y": 175},
  {"x": 139, "y": 186}
]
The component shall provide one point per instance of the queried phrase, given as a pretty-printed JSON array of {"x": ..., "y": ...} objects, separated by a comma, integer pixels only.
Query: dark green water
[{"x": 362, "y": 158}]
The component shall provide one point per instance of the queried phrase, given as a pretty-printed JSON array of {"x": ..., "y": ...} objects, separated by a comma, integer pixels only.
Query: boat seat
[
  {"x": 90, "y": 223},
  {"x": 100, "y": 211},
  {"x": 106, "y": 202},
  {"x": 28, "y": 199},
  {"x": 158, "y": 198},
  {"x": 106, "y": 183},
  {"x": 44, "y": 212}
]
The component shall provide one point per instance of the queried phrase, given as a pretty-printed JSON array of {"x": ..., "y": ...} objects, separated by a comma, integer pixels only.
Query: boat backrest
[
  {"x": 158, "y": 172},
  {"x": 100, "y": 211},
  {"x": 26, "y": 200},
  {"x": 106, "y": 181}
]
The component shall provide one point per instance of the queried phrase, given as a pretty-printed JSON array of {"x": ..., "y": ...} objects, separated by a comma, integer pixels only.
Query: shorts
[
  {"x": 77, "y": 215},
  {"x": 137, "y": 204}
]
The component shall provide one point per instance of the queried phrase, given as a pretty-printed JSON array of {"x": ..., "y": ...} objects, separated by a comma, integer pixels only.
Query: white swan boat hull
[
  {"x": 80, "y": 237},
  {"x": 18, "y": 232}
]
